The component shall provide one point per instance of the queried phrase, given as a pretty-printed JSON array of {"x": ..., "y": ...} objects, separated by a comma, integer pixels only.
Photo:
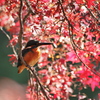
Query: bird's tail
[{"x": 21, "y": 68}]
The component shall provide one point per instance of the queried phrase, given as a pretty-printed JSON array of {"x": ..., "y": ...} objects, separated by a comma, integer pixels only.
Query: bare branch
[
  {"x": 38, "y": 80},
  {"x": 26, "y": 16},
  {"x": 83, "y": 62},
  {"x": 13, "y": 49},
  {"x": 69, "y": 24},
  {"x": 30, "y": 8},
  {"x": 20, "y": 50},
  {"x": 21, "y": 27},
  {"x": 93, "y": 16}
]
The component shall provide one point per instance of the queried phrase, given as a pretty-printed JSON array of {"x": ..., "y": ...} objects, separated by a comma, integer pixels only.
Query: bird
[{"x": 30, "y": 54}]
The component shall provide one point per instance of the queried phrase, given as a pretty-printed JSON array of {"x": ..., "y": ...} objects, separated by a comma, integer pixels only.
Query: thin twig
[
  {"x": 97, "y": 10},
  {"x": 26, "y": 16},
  {"x": 83, "y": 62},
  {"x": 38, "y": 81},
  {"x": 91, "y": 13},
  {"x": 13, "y": 49},
  {"x": 30, "y": 8},
  {"x": 69, "y": 24}
]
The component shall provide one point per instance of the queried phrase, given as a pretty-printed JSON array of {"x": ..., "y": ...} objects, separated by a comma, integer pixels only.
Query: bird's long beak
[{"x": 45, "y": 44}]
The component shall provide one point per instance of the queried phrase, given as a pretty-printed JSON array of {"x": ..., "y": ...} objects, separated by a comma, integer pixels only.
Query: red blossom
[
  {"x": 14, "y": 29},
  {"x": 79, "y": 1},
  {"x": 90, "y": 3},
  {"x": 2, "y": 2},
  {"x": 44, "y": 63},
  {"x": 12, "y": 59},
  {"x": 14, "y": 40},
  {"x": 71, "y": 56},
  {"x": 44, "y": 71}
]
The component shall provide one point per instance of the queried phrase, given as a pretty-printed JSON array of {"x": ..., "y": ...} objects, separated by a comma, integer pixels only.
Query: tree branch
[
  {"x": 30, "y": 8},
  {"x": 93, "y": 16},
  {"x": 26, "y": 16},
  {"x": 13, "y": 49},
  {"x": 21, "y": 27},
  {"x": 20, "y": 49},
  {"x": 69, "y": 24},
  {"x": 83, "y": 62}
]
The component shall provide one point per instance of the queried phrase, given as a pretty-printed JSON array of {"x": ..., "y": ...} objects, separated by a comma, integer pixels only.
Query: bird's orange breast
[{"x": 31, "y": 58}]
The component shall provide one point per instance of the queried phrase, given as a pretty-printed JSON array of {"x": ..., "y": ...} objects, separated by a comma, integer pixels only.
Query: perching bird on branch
[{"x": 30, "y": 54}]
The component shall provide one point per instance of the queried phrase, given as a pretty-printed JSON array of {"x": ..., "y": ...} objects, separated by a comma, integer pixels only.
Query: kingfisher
[{"x": 30, "y": 54}]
